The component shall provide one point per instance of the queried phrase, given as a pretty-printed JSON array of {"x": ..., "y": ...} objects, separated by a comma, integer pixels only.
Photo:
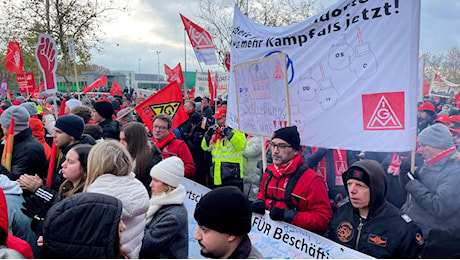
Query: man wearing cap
[
  {"x": 102, "y": 114},
  {"x": 28, "y": 154},
  {"x": 125, "y": 116},
  {"x": 290, "y": 189},
  {"x": 433, "y": 187},
  {"x": 224, "y": 221},
  {"x": 368, "y": 223},
  {"x": 226, "y": 146},
  {"x": 426, "y": 115}
]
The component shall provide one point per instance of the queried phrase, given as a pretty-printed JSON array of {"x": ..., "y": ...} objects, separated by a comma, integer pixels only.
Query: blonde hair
[{"x": 108, "y": 157}]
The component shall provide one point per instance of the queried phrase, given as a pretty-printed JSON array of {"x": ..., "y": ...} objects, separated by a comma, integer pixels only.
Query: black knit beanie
[
  {"x": 225, "y": 210},
  {"x": 104, "y": 108},
  {"x": 290, "y": 135},
  {"x": 71, "y": 124},
  {"x": 358, "y": 174}
]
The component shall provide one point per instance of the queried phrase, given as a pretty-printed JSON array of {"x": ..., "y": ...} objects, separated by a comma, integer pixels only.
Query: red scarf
[
  {"x": 288, "y": 167},
  {"x": 340, "y": 165},
  {"x": 435, "y": 159},
  {"x": 165, "y": 141}
]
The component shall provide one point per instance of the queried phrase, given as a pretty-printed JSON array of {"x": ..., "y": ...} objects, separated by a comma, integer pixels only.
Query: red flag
[
  {"x": 51, "y": 167},
  {"x": 102, "y": 81},
  {"x": 115, "y": 90},
  {"x": 166, "y": 101},
  {"x": 7, "y": 155},
  {"x": 211, "y": 87},
  {"x": 174, "y": 74},
  {"x": 191, "y": 95},
  {"x": 36, "y": 92},
  {"x": 202, "y": 44},
  {"x": 14, "y": 61},
  {"x": 227, "y": 61},
  {"x": 426, "y": 87}
]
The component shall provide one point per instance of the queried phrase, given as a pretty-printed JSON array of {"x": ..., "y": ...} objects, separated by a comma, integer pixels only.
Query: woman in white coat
[{"x": 110, "y": 172}]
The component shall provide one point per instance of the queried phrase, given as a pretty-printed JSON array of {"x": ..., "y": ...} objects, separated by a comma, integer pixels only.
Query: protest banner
[
  {"x": 262, "y": 93},
  {"x": 351, "y": 71},
  {"x": 202, "y": 89},
  {"x": 442, "y": 88},
  {"x": 47, "y": 59},
  {"x": 26, "y": 82},
  {"x": 274, "y": 239}
]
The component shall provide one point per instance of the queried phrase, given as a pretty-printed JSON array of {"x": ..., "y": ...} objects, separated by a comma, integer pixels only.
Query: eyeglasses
[
  {"x": 159, "y": 127},
  {"x": 281, "y": 147}
]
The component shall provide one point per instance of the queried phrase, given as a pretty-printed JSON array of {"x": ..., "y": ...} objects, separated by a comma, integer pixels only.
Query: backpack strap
[{"x": 295, "y": 176}]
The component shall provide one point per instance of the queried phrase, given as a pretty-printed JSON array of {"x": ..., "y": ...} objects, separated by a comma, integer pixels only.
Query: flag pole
[
  {"x": 185, "y": 57},
  {"x": 76, "y": 78}
]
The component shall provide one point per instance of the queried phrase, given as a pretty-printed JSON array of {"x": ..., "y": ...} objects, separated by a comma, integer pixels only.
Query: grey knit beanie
[
  {"x": 21, "y": 118},
  {"x": 437, "y": 135},
  {"x": 126, "y": 114},
  {"x": 31, "y": 108}
]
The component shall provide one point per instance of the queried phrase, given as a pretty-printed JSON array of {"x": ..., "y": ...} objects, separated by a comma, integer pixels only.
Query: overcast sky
[{"x": 152, "y": 27}]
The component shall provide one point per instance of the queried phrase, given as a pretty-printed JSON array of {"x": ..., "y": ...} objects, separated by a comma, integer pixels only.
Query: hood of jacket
[
  {"x": 377, "y": 184},
  {"x": 84, "y": 225}
]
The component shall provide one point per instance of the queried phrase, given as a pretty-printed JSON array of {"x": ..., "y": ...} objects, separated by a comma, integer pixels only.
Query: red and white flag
[
  {"x": 14, "y": 61},
  {"x": 174, "y": 75},
  {"x": 202, "y": 44},
  {"x": 100, "y": 82},
  {"x": 26, "y": 82}
]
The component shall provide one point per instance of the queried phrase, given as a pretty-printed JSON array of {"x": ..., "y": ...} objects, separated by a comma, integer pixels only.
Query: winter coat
[
  {"x": 385, "y": 232},
  {"x": 246, "y": 250},
  {"x": 166, "y": 235},
  {"x": 12, "y": 241},
  {"x": 154, "y": 159},
  {"x": 85, "y": 225},
  {"x": 252, "y": 154},
  {"x": 313, "y": 210},
  {"x": 110, "y": 129},
  {"x": 135, "y": 201},
  {"x": 38, "y": 131},
  {"x": 201, "y": 158},
  {"x": 433, "y": 202},
  {"x": 178, "y": 148},
  {"x": 28, "y": 157}
]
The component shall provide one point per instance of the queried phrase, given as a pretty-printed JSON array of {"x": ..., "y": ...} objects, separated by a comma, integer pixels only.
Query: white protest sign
[
  {"x": 262, "y": 94},
  {"x": 202, "y": 86},
  {"x": 274, "y": 239},
  {"x": 352, "y": 73}
]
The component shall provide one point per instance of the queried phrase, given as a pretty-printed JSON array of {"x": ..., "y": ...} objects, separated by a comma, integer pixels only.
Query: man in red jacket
[
  {"x": 169, "y": 145},
  {"x": 290, "y": 189}
]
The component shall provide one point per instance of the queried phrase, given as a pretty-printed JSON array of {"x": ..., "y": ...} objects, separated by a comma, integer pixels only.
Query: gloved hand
[
  {"x": 258, "y": 206},
  {"x": 404, "y": 178},
  {"x": 286, "y": 215},
  {"x": 208, "y": 135},
  {"x": 34, "y": 208},
  {"x": 228, "y": 132}
]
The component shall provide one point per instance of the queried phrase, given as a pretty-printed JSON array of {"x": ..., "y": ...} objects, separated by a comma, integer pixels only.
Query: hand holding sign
[{"x": 46, "y": 55}]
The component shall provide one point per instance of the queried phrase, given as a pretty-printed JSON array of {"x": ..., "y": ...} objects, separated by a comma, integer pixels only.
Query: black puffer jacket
[
  {"x": 28, "y": 157},
  {"x": 84, "y": 225},
  {"x": 110, "y": 129},
  {"x": 386, "y": 232}
]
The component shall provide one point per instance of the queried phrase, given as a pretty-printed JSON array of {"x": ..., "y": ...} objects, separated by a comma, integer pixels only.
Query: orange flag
[
  {"x": 166, "y": 101},
  {"x": 102, "y": 81},
  {"x": 115, "y": 90},
  {"x": 7, "y": 155},
  {"x": 51, "y": 167}
]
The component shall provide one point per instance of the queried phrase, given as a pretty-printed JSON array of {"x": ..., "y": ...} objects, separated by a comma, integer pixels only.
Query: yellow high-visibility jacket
[{"x": 227, "y": 159}]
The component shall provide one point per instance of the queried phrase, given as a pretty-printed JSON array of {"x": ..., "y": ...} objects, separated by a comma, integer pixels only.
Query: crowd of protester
[{"x": 94, "y": 181}]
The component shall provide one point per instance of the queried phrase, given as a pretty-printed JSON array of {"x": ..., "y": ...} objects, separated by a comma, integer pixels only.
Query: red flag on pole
[
  {"x": 14, "y": 61},
  {"x": 115, "y": 90},
  {"x": 211, "y": 87},
  {"x": 202, "y": 44},
  {"x": 174, "y": 75},
  {"x": 7, "y": 154},
  {"x": 166, "y": 101},
  {"x": 102, "y": 81},
  {"x": 426, "y": 87},
  {"x": 51, "y": 167}
]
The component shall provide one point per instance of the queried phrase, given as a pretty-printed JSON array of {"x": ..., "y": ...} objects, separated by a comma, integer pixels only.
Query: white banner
[
  {"x": 202, "y": 87},
  {"x": 352, "y": 73},
  {"x": 274, "y": 239},
  {"x": 442, "y": 88}
]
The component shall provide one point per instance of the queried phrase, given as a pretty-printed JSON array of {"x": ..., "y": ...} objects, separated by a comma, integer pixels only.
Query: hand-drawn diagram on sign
[{"x": 262, "y": 95}]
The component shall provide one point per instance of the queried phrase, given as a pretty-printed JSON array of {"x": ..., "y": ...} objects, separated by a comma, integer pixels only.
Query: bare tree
[
  {"x": 452, "y": 64},
  {"x": 24, "y": 20},
  {"x": 217, "y": 16}
]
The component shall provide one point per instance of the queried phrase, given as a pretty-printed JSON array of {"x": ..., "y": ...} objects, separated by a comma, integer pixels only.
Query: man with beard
[{"x": 290, "y": 189}]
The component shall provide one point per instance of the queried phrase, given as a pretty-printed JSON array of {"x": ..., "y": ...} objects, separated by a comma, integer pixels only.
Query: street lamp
[
  {"x": 139, "y": 65},
  {"x": 158, "y": 55}
]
